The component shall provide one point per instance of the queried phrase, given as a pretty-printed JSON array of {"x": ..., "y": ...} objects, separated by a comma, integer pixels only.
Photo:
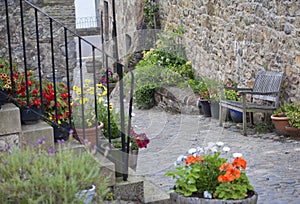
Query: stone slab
[
  {"x": 9, "y": 141},
  {"x": 32, "y": 133},
  {"x": 10, "y": 119},
  {"x": 107, "y": 168},
  {"x": 131, "y": 190}
]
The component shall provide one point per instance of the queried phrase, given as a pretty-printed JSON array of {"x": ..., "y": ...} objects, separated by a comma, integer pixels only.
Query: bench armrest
[{"x": 257, "y": 93}]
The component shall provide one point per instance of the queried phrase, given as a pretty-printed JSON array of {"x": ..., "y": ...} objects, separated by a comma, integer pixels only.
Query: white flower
[
  {"x": 236, "y": 155},
  {"x": 214, "y": 149},
  {"x": 200, "y": 149},
  {"x": 220, "y": 144},
  {"x": 226, "y": 149},
  {"x": 180, "y": 158},
  {"x": 207, "y": 194},
  {"x": 192, "y": 151}
]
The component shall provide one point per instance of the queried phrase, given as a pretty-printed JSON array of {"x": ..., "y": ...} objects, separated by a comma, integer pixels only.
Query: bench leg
[
  {"x": 244, "y": 123},
  {"x": 220, "y": 115}
]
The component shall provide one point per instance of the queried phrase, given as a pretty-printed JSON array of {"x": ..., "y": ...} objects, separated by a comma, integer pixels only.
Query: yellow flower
[
  {"x": 99, "y": 85},
  {"x": 100, "y": 99},
  {"x": 6, "y": 86},
  {"x": 74, "y": 88},
  {"x": 110, "y": 106},
  {"x": 188, "y": 63},
  {"x": 89, "y": 124},
  {"x": 87, "y": 80},
  {"x": 78, "y": 92},
  {"x": 59, "y": 122},
  {"x": 50, "y": 118},
  {"x": 104, "y": 93},
  {"x": 83, "y": 101}
]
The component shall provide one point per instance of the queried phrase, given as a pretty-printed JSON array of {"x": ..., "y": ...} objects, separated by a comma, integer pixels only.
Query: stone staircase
[{"x": 13, "y": 133}]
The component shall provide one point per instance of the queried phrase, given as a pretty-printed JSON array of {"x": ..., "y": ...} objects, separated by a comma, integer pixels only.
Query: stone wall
[
  {"x": 62, "y": 11},
  {"x": 237, "y": 38}
]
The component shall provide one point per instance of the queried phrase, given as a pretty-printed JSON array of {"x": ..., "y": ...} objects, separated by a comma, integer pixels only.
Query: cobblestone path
[{"x": 273, "y": 166}]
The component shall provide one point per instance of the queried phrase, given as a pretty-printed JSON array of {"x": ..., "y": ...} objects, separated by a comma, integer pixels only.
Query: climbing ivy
[{"x": 151, "y": 9}]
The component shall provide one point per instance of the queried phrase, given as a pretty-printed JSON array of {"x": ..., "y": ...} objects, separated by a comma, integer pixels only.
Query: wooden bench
[{"x": 266, "y": 91}]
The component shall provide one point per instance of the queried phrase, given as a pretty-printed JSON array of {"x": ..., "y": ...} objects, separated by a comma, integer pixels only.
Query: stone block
[
  {"x": 10, "y": 119},
  {"x": 32, "y": 133},
  {"x": 107, "y": 168},
  {"x": 130, "y": 190},
  {"x": 9, "y": 141}
]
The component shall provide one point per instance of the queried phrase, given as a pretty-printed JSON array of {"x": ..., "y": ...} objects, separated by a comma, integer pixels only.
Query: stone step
[
  {"x": 32, "y": 133},
  {"x": 138, "y": 188},
  {"x": 10, "y": 119},
  {"x": 107, "y": 168}
]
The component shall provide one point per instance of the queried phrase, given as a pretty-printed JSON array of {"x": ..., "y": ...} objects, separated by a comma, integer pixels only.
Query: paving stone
[{"x": 273, "y": 162}]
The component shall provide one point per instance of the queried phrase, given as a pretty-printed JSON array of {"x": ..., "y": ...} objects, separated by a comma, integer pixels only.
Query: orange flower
[
  {"x": 191, "y": 159},
  {"x": 239, "y": 162}
]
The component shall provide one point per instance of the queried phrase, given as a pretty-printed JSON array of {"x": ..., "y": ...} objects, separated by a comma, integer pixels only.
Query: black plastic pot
[{"x": 205, "y": 107}]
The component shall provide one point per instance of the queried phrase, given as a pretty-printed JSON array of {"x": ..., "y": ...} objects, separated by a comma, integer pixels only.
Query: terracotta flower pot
[
  {"x": 293, "y": 132},
  {"x": 89, "y": 134},
  {"x": 280, "y": 123}
]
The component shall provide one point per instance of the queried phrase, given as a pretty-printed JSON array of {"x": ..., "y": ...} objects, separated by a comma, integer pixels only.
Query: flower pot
[
  {"x": 89, "y": 134},
  {"x": 87, "y": 195},
  {"x": 61, "y": 132},
  {"x": 236, "y": 116},
  {"x": 280, "y": 123},
  {"x": 3, "y": 97},
  {"x": 293, "y": 132},
  {"x": 180, "y": 199},
  {"x": 132, "y": 159},
  {"x": 28, "y": 116},
  {"x": 205, "y": 106},
  {"x": 215, "y": 109},
  {"x": 90, "y": 66}
]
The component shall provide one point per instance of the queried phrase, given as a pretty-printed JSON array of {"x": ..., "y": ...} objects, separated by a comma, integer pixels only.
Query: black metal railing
[{"x": 40, "y": 43}]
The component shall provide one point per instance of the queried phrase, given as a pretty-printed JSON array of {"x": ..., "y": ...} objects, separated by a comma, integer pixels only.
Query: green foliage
[
  {"x": 293, "y": 113},
  {"x": 151, "y": 9},
  {"x": 114, "y": 118},
  {"x": 197, "y": 177},
  {"x": 231, "y": 95},
  {"x": 34, "y": 175},
  {"x": 144, "y": 97},
  {"x": 234, "y": 190}
]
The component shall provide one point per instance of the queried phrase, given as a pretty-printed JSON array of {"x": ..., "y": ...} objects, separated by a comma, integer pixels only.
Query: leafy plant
[
  {"x": 293, "y": 113},
  {"x": 36, "y": 175},
  {"x": 151, "y": 9},
  {"x": 5, "y": 75},
  {"x": 144, "y": 97},
  {"x": 84, "y": 100},
  {"x": 204, "y": 172}
]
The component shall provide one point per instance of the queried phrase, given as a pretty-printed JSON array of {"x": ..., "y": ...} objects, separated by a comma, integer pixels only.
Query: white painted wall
[{"x": 85, "y": 9}]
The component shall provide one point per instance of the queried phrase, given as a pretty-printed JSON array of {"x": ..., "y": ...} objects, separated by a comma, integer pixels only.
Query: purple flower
[
  {"x": 40, "y": 142},
  {"x": 51, "y": 151},
  {"x": 60, "y": 141},
  {"x": 31, "y": 160}
]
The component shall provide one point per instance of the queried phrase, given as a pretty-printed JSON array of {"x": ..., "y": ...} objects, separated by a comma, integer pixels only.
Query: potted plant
[
  {"x": 112, "y": 79},
  {"x": 83, "y": 110},
  {"x": 28, "y": 97},
  {"x": 5, "y": 80},
  {"x": 214, "y": 95},
  {"x": 280, "y": 119},
  {"x": 35, "y": 174},
  {"x": 293, "y": 127},
  {"x": 209, "y": 174},
  {"x": 204, "y": 98},
  {"x": 62, "y": 118}
]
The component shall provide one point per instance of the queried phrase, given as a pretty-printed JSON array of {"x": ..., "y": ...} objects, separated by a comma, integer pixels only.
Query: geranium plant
[
  {"x": 138, "y": 140},
  {"x": 209, "y": 173},
  {"x": 62, "y": 103},
  {"x": 112, "y": 78},
  {"x": 31, "y": 85}
]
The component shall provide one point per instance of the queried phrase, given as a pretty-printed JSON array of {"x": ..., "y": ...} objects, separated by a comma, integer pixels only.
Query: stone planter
[
  {"x": 90, "y": 66},
  {"x": 280, "y": 123},
  {"x": 215, "y": 109},
  {"x": 180, "y": 199}
]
